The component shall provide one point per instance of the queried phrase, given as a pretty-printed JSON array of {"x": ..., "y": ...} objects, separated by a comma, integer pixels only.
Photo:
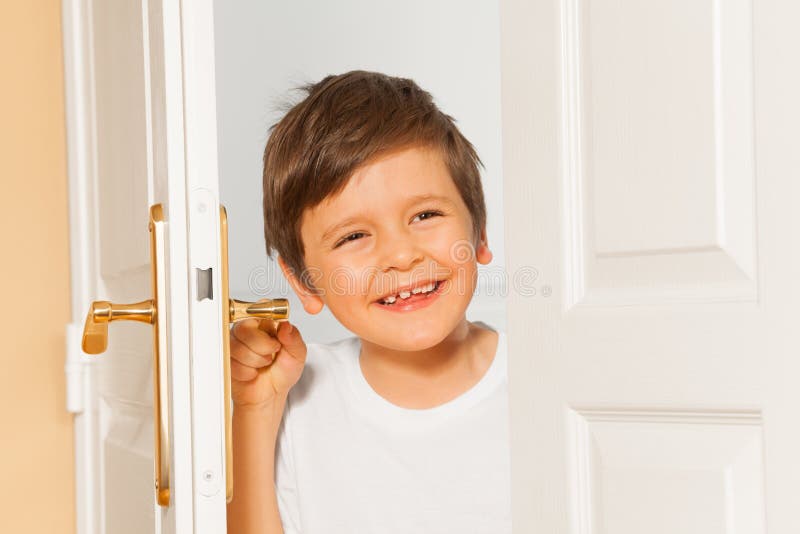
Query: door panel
[
  {"x": 661, "y": 133},
  {"x": 123, "y": 374},
  {"x": 652, "y": 187},
  {"x": 130, "y": 62}
]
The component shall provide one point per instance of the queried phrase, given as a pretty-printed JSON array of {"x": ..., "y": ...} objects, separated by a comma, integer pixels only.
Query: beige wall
[{"x": 36, "y": 463}]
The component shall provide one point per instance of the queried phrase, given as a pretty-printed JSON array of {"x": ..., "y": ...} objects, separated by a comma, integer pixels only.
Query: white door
[
  {"x": 140, "y": 89},
  {"x": 651, "y": 163}
]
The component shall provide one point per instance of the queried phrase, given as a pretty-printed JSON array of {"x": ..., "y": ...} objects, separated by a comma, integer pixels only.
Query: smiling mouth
[{"x": 414, "y": 297}]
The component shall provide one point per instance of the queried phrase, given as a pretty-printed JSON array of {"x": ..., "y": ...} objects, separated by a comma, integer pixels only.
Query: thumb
[{"x": 292, "y": 341}]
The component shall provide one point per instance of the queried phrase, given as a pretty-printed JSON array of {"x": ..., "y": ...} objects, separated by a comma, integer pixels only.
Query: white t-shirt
[{"x": 349, "y": 461}]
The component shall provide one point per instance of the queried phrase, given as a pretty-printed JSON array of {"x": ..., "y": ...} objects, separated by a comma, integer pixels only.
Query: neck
[{"x": 427, "y": 378}]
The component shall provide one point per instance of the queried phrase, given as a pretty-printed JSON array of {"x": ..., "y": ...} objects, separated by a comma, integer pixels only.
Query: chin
[{"x": 416, "y": 342}]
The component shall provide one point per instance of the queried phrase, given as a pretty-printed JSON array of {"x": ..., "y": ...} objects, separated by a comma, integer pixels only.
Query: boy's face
[{"x": 377, "y": 237}]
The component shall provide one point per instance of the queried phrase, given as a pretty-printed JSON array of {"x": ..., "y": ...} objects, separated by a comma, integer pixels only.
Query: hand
[{"x": 257, "y": 379}]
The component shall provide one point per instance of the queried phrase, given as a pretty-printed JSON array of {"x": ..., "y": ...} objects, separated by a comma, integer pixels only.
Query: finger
[
  {"x": 246, "y": 326},
  {"x": 242, "y": 353},
  {"x": 255, "y": 339},
  {"x": 242, "y": 373},
  {"x": 291, "y": 341}
]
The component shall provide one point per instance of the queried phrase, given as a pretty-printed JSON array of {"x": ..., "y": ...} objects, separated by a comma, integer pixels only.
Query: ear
[
  {"x": 482, "y": 253},
  {"x": 312, "y": 303}
]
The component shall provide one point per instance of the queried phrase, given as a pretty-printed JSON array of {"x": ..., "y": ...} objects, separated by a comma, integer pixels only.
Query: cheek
[
  {"x": 453, "y": 247},
  {"x": 343, "y": 282}
]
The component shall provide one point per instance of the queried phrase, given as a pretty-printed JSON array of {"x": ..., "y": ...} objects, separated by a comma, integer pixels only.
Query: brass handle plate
[
  {"x": 95, "y": 341},
  {"x": 275, "y": 310},
  {"x": 158, "y": 272},
  {"x": 226, "y": 351}
]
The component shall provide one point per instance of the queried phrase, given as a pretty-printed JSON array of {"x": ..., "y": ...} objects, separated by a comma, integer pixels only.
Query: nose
[{"x": 399, "y": 251}]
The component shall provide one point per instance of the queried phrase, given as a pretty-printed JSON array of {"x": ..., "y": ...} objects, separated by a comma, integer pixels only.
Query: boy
[{"x": 373, "y": 199}]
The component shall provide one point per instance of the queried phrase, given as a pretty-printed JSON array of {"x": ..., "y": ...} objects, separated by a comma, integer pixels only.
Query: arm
[
  {"x": 260, "y": 387},
  {"x": 254, "y": 508}
]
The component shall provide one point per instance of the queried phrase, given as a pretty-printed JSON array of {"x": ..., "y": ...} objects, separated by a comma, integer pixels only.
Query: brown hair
[{"x": 342, "y": 123}]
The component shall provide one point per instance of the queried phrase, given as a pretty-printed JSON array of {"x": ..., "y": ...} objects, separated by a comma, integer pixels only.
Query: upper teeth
[{"x": 406, "y": 294}]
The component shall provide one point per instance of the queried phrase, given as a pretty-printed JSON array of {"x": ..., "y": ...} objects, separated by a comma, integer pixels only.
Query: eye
[
  {"x": 432, "y": 213},
  {"x": 355, "y": 235},
  {"x": 347, "y": 238}
]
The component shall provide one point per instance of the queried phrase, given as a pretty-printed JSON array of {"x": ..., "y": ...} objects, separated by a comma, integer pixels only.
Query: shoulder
[
  {"x": 496, "y": 347},
  {"x": 326, "y": 371},
  {"x": 500, "y": 337}
]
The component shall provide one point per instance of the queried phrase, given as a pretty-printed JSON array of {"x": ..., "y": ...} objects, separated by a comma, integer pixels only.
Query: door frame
[
  {"x": 78, "y": 100},
  {"x": 196, "y": 91}
]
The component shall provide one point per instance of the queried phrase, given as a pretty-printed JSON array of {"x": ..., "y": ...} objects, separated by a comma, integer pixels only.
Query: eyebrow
[{"x": 411, "y": 201}]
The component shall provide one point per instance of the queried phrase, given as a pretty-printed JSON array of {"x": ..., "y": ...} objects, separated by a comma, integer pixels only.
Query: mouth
[{"x": 414, "y": 301}]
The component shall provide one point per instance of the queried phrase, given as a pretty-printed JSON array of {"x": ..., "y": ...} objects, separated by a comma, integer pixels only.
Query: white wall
[{"x": 449, "y": 47}]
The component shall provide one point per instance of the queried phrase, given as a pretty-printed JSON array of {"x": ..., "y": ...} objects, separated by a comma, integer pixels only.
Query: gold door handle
[
  {"x": 275, "y": 310},
  {"x": 95, "y": 341},
  {"x": 102, "y": 312}
]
